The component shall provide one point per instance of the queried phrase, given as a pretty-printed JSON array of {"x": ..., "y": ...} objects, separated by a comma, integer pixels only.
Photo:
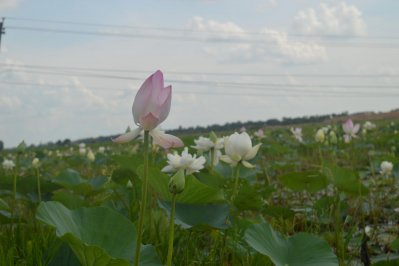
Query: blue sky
[{"x": 288, "y": 38}]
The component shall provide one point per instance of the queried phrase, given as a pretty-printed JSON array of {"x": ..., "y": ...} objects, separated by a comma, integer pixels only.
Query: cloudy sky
[{"x": 70, "y": 69}]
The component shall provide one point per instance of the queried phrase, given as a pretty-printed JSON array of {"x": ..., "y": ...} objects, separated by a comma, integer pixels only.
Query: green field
[{"x": 310, "y": 203}]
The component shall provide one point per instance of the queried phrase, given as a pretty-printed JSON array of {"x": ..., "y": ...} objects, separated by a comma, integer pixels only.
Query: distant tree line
[
  {"x": 206, "y": 129},
  {"x": 255, "y": 124}
]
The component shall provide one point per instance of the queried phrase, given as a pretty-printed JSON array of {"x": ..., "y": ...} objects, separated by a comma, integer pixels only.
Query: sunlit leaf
[
  {"x": 188, "y": 215},
  {"x": 298, "y": 250}
]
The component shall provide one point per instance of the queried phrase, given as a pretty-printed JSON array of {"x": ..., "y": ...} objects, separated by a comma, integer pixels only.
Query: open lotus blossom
[
  {"x": 369, "y": 126},
  {"x": 297, "y": 132},
  {"x": 386, "y": 168},
  {"x": 206, "y": 144},
  {"x": 203, "y": 144},
  {"x": 350, "y": 130},
  {"x": 238, "y": 148},
  {"x": 260, "y": 134},
  {"x": 187, "y": 162},
  {"x": 8, "y": 164},
  {"x": 151, "y": 107}
]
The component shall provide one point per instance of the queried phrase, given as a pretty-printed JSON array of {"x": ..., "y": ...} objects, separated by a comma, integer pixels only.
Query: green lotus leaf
[{"x": 301, "y": 249}]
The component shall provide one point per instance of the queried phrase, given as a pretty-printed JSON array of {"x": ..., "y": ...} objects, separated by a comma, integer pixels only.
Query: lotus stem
[
  {"x": 213, "y": 151},
  {"x": 236, "y": 182},
  {"x": 38, "y": 185},
  {"x": 143, "y": 202},
  {"x": 171, "y": 231}
]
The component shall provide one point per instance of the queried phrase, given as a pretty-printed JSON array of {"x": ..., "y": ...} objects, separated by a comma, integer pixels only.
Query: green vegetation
[{"x": 310, "y": 203}]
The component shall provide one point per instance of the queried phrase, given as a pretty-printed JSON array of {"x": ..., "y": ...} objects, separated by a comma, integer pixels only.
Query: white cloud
[
  {"x": 295, "y": 51},
  {"x": 8, "y": 4},
  {"x": 215, "y": 30},
  {"x": 247, "y": 47},
  {"x": 342, "y": 18}
]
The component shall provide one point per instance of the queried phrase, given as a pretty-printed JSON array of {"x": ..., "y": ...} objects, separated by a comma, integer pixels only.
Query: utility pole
[{"x": 2, "y": 29}]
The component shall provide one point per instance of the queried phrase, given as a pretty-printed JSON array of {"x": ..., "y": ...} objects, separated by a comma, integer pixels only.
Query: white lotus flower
[
  {"x": 203, "y": 144},
  {"x": 101, "y": 149},
  {"x": 369, "y": 126},
  {"x": 90, "y": 156},
  {"x": 219, "y": 144},
  {"x": 35, "y": 163},
  {"x": 319, "y": 137},
  {"x": 189, "y": 163},
  {"x": 297, "y": 132},
  {"x": 238, "y": 148},
  {"x": 82, "y": 146},
  {"x": 82, "y": 151},
  {"x": 8, "y": 164},
  {"x": 350, "y": 130},
  {"x": 386, "y": 168},
  {"x": 206, "y": 144}
]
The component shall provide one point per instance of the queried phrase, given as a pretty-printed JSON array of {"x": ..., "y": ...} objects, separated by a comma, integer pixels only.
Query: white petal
[
  {"x": 252, "y": 153},
  {"x": 247, "y": 164},
  {"x": 228, "y": 160},
  {"x": 168, "y": 169},
  {"x": 166, "y": 141},
  {"x": 129, "y": 136}
]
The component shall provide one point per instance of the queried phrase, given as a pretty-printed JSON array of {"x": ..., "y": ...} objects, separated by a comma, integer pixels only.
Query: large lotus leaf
[
  {"x": 71, "y": 179},
  {"x": 4, "y": 205},
  {"x": 149, "y": 256},
  {"x": 130, "y": 162},
  {"x": 345, "y": 180},
  {"x": 189, "y": 215},
  {"x": 195, "y": 192},
  {"x": 299, "y": 250},
  {"x": 98, "y": 236},
  {"x": 64, "y": 257},
  {"x": 98, "y": 182},
  {"x": 248, "y": 198},
  {"x": 213, "y": 179},
  {"x": 386, "y": 260},
  {"x": 69, "y": 199},
  {"x": 299, "y": 181}
]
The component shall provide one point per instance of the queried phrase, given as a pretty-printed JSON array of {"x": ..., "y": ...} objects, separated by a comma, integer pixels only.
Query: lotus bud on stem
[{"x": 176, "y": 186}]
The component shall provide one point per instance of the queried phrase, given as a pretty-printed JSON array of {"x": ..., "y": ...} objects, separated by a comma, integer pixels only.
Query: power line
[
  {"x": 64, "y": 22},
  {"x": 202, "y": 72},
  {"x": 191, "y": 39},
  {"x": 208, "y": 83},
  {"x": 292, "y": 92}
]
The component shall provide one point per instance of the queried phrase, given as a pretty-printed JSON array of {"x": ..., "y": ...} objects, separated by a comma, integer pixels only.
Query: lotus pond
[{"x": 311, "y": 202}]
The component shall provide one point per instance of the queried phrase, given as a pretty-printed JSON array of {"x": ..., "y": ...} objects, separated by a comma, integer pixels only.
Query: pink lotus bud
[{"x": 151, "y": 105}]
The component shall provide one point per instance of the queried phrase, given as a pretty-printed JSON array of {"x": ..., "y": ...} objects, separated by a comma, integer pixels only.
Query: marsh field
[{"x": 296, "y": 196}]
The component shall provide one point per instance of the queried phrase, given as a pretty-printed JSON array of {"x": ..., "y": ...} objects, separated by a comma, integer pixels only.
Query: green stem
[
  {"x": 14, "y": 190},
  {"x": 38, "y": 185},
  {"x": 143, "y": 202},
  {"x": 236, "y": 181},
  {"x": 338, "y": 232},
  {"x": 171, "y": 231},
  {"x": 213, "y": 151}
]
